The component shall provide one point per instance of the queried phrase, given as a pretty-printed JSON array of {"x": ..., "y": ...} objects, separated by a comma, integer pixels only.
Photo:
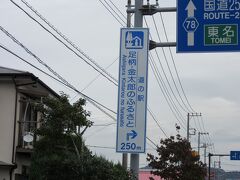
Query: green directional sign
[{"x": 220, "y": 34}]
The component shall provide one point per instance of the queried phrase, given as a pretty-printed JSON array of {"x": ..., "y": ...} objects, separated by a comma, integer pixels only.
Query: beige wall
[
  {"x": 4, "y": 173},
  {"x": 7, "y": 111}
]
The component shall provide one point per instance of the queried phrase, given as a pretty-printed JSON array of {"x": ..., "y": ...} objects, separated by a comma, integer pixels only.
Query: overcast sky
[{"x": 211, "y": 82}]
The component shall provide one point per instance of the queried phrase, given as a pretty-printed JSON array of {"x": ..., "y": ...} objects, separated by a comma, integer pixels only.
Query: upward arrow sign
[{"x": 190, "y": 9}]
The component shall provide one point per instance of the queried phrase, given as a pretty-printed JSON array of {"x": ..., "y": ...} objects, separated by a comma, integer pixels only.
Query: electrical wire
[
  {"x": 118, "y": 10},
  {"x": 164, "y": 89},
  {"x": 122, "y": 24},
  {"x": 94, "y": 79},
  {"x": 165, "y": 57},
  {"x": 154, "y": 118},
  {"x": 114, "y": 11},
  {"x": 11, "y": 52},
  {"x": 113, "y": 80},
  {"x": 175, "y": 67},
  {"x": 164, "y": 92},
  {"x": 95, "y": 103},
  {"x": 165, "y": 32},
  {"x": 64, "y": 37},
  {"x": 48, "y": 22},
  {"x": 67, "y": 39}
]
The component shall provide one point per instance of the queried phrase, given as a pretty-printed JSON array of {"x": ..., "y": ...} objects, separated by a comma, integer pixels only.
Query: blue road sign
[
  {"x": 234, "y": 155},
  {"x": 208, "y": 25}
]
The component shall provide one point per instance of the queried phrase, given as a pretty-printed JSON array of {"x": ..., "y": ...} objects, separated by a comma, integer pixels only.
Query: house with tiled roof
[{"x": 18, "y": 119}]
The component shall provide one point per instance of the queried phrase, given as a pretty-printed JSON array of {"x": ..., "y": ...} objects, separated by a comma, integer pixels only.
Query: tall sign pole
[
  {"x": 138, "y": 22},
  {"x": 132, "y": 90},
  {"x": 125, "y": 155}
]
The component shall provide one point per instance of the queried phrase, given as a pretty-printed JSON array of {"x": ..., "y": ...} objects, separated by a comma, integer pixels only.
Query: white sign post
[{"x": 132, "y": 90}]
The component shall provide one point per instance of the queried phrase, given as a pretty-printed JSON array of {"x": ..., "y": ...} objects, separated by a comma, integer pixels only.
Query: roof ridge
[{"x": 11, "y": 69}]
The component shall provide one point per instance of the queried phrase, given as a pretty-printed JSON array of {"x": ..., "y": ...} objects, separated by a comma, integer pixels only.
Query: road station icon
[{"x": 134, "y": 40}]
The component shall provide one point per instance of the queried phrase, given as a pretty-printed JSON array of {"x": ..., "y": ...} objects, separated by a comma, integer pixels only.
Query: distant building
[
  {"x": 145, "y": 174},
  {"x": 18, "y": 119},
  {"x": 220, "y": 174}
]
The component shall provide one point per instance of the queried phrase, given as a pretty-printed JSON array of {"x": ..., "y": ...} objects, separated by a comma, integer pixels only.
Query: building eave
[{"x": 33, "y": 77}]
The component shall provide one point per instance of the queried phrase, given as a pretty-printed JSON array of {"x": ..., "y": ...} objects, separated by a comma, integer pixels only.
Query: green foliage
[
  {"x": 175, "y": 160},
  {"x": 60, "y": 153}
]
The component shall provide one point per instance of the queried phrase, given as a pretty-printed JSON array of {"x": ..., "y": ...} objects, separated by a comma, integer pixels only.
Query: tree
[
  {"x": 176, "y": 160},
  {"x": 60, "y": 152}
]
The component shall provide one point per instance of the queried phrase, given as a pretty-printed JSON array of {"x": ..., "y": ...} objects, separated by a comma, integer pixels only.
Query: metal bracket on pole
[
  {"x": 153, "y": 44},
  {"x": 193, "y": 131},
  {"x": 152, "y": 9}
]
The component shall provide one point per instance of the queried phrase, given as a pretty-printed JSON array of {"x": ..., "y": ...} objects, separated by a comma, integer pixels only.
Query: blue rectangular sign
[
  {"x": 208, "y": 25},
  {"x": 132, "y": 90},
  {"x": 234, "y": 155}
]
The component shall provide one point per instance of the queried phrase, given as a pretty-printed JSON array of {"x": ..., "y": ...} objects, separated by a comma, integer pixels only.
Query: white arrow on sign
[{"x": 190, "y": 9}]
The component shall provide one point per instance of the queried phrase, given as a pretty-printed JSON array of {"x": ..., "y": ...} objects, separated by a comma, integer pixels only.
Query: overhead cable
[
  {"x": 95, "y": 103},
  {"x": 109, "y": 77},
  {"x": 64, "y": 37},
  {"x": 71, "y": 87},
  {"x": 122, "y": 24},
  {"x": 39, "y": 15},
  {"x": 114, "y": 11},
  {"x": 174, "y": 64},
  {"x": 175, "y": 85}
]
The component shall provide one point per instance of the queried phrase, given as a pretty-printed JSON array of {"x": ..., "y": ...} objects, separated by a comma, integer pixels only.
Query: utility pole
[
  {"x": 138, "y": 22},
  {"x": 188, "y": 122},
  {"x": 209, "y": 161},
  {"x": 205, "y": 152},
  {"x": 139, "y": 11},
  {"x": 199, "y": 141},
  {"x": 125, "y": 155}
]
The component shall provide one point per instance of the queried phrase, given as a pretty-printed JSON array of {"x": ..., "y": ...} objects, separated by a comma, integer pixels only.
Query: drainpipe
[{"x": 14, "y": 131}]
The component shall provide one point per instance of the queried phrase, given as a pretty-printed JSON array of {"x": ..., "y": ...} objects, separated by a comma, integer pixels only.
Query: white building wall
[{"x": 7, "y": 111}]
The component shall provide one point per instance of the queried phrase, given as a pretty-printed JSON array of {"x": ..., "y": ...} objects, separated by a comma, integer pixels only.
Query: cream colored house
[{"x": 18, "y": 119}]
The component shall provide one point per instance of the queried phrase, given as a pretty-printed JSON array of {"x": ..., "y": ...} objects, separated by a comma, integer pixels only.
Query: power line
[
  {"x": 122, "y": 24},
  {"x": 164, "y": 89},
  {"x": 9, "y": 51},
  {"x": 152, "y": 142},
  {"x": 94, "y": 79},
  {"x": 115, "y": 11},
  {"x": 166, "y": 96},
  {"x": 154, "y": 118},
  {"x": 65, "y": 38},
  {"x": 169, "y": 85},
  {"x": 171, "y": 54},
  {"x": 113, "y": 80},
  {"x": 65, "y": 82},
  {"x": 165, "y": 57},
  {"x": 53, "y": 29},
  {"x": 102, "y": 147},
  {"x": 109, "y": 124},
  {"x": 118, "y": 10}
]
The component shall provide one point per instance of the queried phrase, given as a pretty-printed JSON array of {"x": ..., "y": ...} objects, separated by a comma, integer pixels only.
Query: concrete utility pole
[
  {"x": 125, "y": 155},
  {"x": 138, "y": 22},
  {"x": 205, "y": 152},
  {"x": 188, "y": 122},
  {"x": 199, "y": 141},
  {"x": 139, "y": 11}
]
